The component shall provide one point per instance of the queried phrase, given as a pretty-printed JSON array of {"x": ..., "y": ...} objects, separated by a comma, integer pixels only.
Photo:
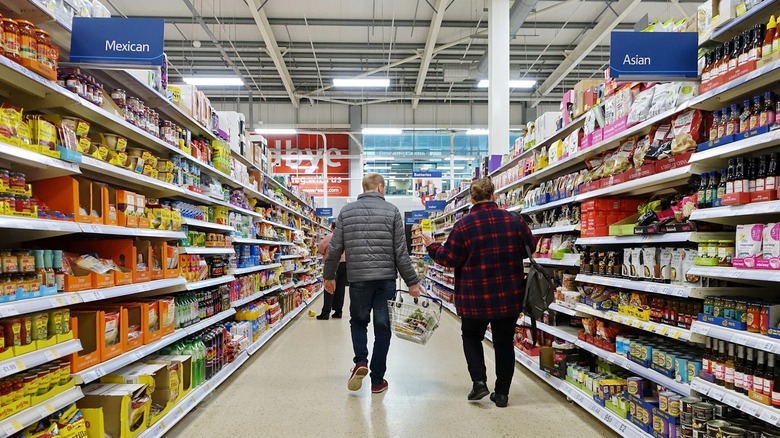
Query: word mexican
[{"x": 129, "y": 46}]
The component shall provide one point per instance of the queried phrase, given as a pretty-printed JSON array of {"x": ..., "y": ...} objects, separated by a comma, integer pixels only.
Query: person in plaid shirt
[{"x": 487, "y": 248}]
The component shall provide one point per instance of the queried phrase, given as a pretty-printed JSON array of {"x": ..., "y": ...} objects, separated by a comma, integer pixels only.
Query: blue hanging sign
[
  {"x": 435, "y": 205},
  {"x": 419, "y": 214},
  {"x": 324, "y": 212},
  {"x": 653, "y": 56},
  {"x": 411, "y": 221},
  {"x": 431, "y": 174},
  {"x": 117, "y": 41}
]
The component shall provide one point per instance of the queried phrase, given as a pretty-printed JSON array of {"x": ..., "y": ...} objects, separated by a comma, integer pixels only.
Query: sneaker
[
  {"x": 378, "y": 389},
  {"x": 356, "y": 378}
]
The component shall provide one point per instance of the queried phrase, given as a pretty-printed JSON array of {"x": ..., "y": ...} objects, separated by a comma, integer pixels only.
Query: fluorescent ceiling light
[
  {"x": 477, "y": 132},
  {"x": 224, "y": 81},
  {"x": 277, "y": 131},
  {"x": 378, "y": 167},
  {"x": 382, "y": 131},
  {"x": 362, "y": 83},
  {"x": 484, "y": 83}
]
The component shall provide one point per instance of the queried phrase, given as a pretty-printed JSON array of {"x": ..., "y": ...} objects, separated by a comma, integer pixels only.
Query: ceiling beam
[
  {"x": 430, "y": 44},
  {"x": 273, "y": 48},
  {"x": 603, "y": 27}
]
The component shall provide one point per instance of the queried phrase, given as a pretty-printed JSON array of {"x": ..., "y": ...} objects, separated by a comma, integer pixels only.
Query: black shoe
[
  {"x": 501, "y": 400},
  {"x": 478, "y": 391},
  {"x": 323, "y": 316},
  {"x": 337, "y": 315}
]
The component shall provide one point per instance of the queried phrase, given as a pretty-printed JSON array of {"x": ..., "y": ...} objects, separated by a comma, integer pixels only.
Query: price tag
[
  {"x": 626, "y": 364},
  {"x": 768, "y": 346},
  {"x": 678, "y": 292},
  {"x": 676, "y": 334},
  {"x": 645, "y": 326},
  {"x": 636, "y": 323},
  {"x": 666, "y": 290},
  {"x": 700, "y": 387},
  {"x": 664, "y": 330},
  {"x": 57, "y": 302},
  {"x": 770, "y": 417},
  {"x": 650, "y": 327},
  {"x": 10, "y": 429},
  {"x": 608, "y": 418},
  {"x": 702, "y": 329},
  {"x": 8, "y": 310},
  {"x": 43, "y": 411},
  {"x": 138, "y": 355},
  {"x": 50, "y": 355},
  {"x": 10, "y": 368},
  {"x": 717, "y": 394},
  {"x": 739, "y": 339},
  {"x": 652, "y": 288},
  {"x": 736, "y": 274},
  {"x": 751, "y": 409},
  {"x": 51, "y": 226},
  {"x": 88, "y": 228},
  {"x": 596, "y": 409},
  {"x": 144, "y": 287},
  {"x": 622, "y": 427}
]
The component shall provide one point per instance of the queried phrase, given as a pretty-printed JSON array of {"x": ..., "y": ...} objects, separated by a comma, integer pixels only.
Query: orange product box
[
  {"x": 150, "y": 319},
  {"x": 763, "y": 196},
  {"x": 68, "y": 195},
  {"x": 740, "y": 71},
  {"x": 85, "y": 328},
  {"x": 612, "y": 180},
  {"x": 133, "y": 255},
  {"x": 132, "y": 317},
  {"x": 125, "y": 207},
  {"x": 140, "y": 208},
  {"x": 168, "y": 258},
  {"x": 112, "y": 330},
  {"x": 604, "y": 204},
  {"x": 108, "y": 204},
  {"x": 80, "y": 280},
  {"x": 100, "y": 281}
]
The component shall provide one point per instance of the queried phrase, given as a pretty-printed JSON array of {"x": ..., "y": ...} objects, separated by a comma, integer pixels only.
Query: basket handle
[{"x": 400, "y": 299}]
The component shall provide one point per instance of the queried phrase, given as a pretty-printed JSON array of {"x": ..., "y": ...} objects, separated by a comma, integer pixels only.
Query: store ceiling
[{"x": 321, "y": 40}]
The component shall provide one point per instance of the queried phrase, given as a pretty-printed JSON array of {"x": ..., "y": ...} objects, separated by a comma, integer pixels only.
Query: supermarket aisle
[{"x": 296, "y": 387}]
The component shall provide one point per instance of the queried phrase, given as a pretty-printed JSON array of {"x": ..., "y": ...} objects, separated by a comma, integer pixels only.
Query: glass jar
[
  {"x": 9, "y": 264},
  {"x": 5, "y": 180},
  {"x": 44, "y": 49},
  {"x": 25, "y": 260},
  {"x": 11, "y": 37},
  {"x": 23, "y": 205},
  {"x": 119, "y": 97},
  {"x": 754, "y": 317},
  {"x": 740, "y": 311},
  {"x": 28, "y": 46},
  {"x": 712, "y": 249},
  {"x": 703, "y": 248},
  {"x": 134, "y": 103},
  {"x": 725, "y": 252},
  {"x": 72, "y": 83},
  {"x": 717, "y": 307},
  {"x": 7, "y": 289},
  {"x": 18, "y": 182}
]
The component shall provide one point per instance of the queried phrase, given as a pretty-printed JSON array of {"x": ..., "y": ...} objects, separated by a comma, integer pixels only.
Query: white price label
[
  {"x": 652, "y": 289},
  {"x": 8, "y": 310},
  {"x": 626, "y": 364},
  {"x": 596, "y": 409},
  {"x": 739, "y": 339},
  {"x": 700, "y": 387},
  {"x": 622, "y": 427},
  {"x": 9, "y": 368},
  {"x": 52, "y": 226},
  {"x": 50, "y": 355},
  {"x": 645, "y": 326},
  {"x": 768, "y": 346},
  {"x": 666, "y": 290},
  {"x": 9, "y": 429},
  {"x": 144, "y": 287},
  {"x": 770, "y": 417},
  {"x": 43, "y": 411},
  {"x": 736, "y": 274},
  {"x": 57, "y": 302},
  {"x": 701, "y": 329},
  {"x": 678, "y": 292},
  {"x": 90, "y": 228},
  {"x": 717, "y": 394},
  {"x": 751, "y": 409},
  {"x": 732, "y": 400}
]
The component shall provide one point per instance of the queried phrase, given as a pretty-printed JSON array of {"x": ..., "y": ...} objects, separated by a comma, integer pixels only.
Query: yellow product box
[
  {"x": 181, "y": 370},
  {"x": 108, "y": 410},
  {"x": 161, "y": 381},
  {"x": 176, "y": 220},
  {"x": 643, "y": 315}
]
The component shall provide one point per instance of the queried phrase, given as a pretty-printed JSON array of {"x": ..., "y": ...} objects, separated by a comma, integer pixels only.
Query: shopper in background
[
  {"x": 487, "y": 248},
  {"x": 333, "y": 301},
  {"x": 371, "y": 233}
]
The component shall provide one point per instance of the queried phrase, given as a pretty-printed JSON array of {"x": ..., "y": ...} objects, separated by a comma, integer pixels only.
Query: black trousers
[
  {"x": 335, "y": 301},
  {"x": 473, "y": 332}
]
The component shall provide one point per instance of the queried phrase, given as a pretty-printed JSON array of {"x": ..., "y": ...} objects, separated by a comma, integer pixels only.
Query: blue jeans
[{"x": 365, "y": 296}]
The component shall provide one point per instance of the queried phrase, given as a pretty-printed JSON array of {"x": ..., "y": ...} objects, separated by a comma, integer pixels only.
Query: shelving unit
[
  {"x": 206, "y": 251},
  {"x": 210, "y": 282},
  {"x": 38, "y": 357},
  {"x": 674, "y": 290},
  {"x": 555, "y": 230},
  {"x": 242, "y": 271},
  {"x": 29, "y": 416}
]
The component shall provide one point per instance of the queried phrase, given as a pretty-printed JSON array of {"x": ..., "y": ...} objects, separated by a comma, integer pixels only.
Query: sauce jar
[
  {"x": 119, "y": 96},
  {"x": 712, "y": 249},
  {"x": 44, "y": 49},
  {"x": 7, "y": 289},
  {"x": 703, "y": 248},
  {"x": 25, "y": 260},
  {"x": 5, "y": 180},
  {"x": 754, "y": 317},
  {"x": 28, "y": 45},
  {"x": 7, "y": 204},
  {"x": 9, "y": 264},
  {"x": 17, "y": 182},
  {"x": 764, "y": 319},
  {"x": 11, "y": 38},
  {"x": 725, "y": 252},
  {"x": 23, "y": 205}
]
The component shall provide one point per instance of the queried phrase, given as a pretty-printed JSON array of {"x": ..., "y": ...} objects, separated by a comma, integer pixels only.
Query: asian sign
[
  {"x": 653, "y": 56},
  {"x": 301, "y": 157}
]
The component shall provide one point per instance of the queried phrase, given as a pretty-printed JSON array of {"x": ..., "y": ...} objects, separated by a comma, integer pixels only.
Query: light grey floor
[{"x": 296, "y": 387}]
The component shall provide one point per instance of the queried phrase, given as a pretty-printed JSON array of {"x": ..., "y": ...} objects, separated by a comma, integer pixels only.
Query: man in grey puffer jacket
[{"x": 371, "y": 232}]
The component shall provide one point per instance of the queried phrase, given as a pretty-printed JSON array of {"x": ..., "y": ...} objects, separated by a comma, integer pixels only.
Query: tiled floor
[{"x": 296, "y": 387}]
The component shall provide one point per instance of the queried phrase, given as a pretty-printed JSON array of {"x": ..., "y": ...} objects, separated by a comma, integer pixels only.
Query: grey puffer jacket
[{"x": 371, "y": 232}]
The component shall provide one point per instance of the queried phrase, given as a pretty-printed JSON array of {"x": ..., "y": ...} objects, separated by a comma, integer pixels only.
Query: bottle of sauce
[
  {"x": 752, "y": 169},
  {"x": 740, "y": 178},
  {"x": 769, "y": 375},
  {"x": 758, "y": 374},
  {"x": 755, "y": 114},
  {"x": 772, "y": 173},
  {"x": 712, "y": 189},
  {"x": 723, "y": 121},
  {"x": 705, "y": 71},
  {"x": 723, "y": 63},
  {"x": 739, "y": 369},
  {"x": 40, "y": 268},
  {"x": 728, "y": 378},
  {"x": 756, "y": 45},
  {"x": 721, "y": 188},
  {"x": 702, "y": 194},
  {"x": 769, "y": 38},
  {"x": 744, "y": 51},
  {"x": 767, "y": 115},
  {"x": 706, "y": 358},
  {"x": 731, "y": 173},
  {"x": 713, "y": 135},
  {"x": 761, "y": 173},
  {"x": 732, "y": 126},
  {"x": 28, "y": 44},
  {"x": 750, "y": 369},
  {"x": 744, "y": 117},
  {"x": 736, "y": 50},
  {"x": 59, "y": 273}
]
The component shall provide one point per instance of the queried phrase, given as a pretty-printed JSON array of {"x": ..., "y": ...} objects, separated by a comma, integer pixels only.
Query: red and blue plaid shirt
[{"x": 486, "y": 248}]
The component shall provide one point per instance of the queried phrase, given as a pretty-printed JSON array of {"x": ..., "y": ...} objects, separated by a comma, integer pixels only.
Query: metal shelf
[
  {"x": 206, "y": 250},
  {"x": 33, "y": 414},
  {"x": 563, "y": 309},
  {"x": 556, "y": 230},
  {"x": 547, "y": 206},
  {"x": 441, "y": 282},
  {"x": 290, "y": 256},
  {"x": 694, "y": 236},
  {"x": 648, "y": 184},
  {"x": 194, "y": 223},
  {"x": 109, "y": 366},
  {"x": 719, "y": 155},
  {"x": 725, "y": 273},
  {"x": 255, "y": 296},
  {"x": 133, "y": 232},
  {"x": 564, "y": 263},
  {"x": 465, "y": 206},
  {"x": 249, "y": 270},
  {"x": 38, "y": 357},
  {"x": 674, "y": 290},
  {"x": 652, "y": 327},
  {"x": 261, "y": 241},
  {"x": 35, "y": 166},
  {"x": 210, "y": 282},
  {"x": 738, "y": 214},
  {"x": 741, "y": 337},
  {"x": 278, "y": 225}
]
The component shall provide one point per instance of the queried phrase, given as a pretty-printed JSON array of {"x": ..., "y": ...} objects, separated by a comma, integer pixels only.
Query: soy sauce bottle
[
  {"x": 712, "y": 189},
  {"x": 771, "y": 173},
  {"x": 761, "y": 173},
  {"x": 740, "y": 178},
  {"x": 730, "y": 176},
  {"x": 702, "y": 194},
  {"x": 721, "y": 188}
]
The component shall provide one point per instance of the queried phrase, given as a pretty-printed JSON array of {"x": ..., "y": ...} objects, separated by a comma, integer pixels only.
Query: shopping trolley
[{"x": 414, "y": 319}]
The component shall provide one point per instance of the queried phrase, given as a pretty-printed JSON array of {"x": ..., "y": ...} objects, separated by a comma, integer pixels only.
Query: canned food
[
  {"x": 703, "y": 411},
  {"x": 714, "y": 426},
  {"x": 732, "y": 432},
  {"x": 674, "y": 405}
]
